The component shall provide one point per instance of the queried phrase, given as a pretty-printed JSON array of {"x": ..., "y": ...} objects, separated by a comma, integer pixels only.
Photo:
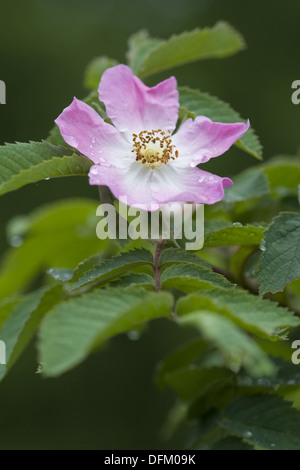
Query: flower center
[{"x": 154, "y": 148}]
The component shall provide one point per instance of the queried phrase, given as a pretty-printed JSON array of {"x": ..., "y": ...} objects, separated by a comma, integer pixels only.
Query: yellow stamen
[{"x": 153, "y": 148}]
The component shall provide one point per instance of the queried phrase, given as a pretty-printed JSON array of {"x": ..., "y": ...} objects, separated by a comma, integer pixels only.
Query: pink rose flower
[{"x": 139, "y": 156}]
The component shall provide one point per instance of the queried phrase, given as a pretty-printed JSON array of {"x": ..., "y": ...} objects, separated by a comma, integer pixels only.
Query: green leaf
[
  {"x": 6, "y": 307},
  {"x": 220, "y": 41},
  {"x": 21, "y": 325},
  {"x": 193, "y": 382},
  {"x": 287, "y": 375},
  {"x": 203, "y": 104},
  {"x": 247, "y": 185},
  {"x": 21, "y": 164},
  {"x": 74, "y": 328},
  {"x": 55, "y": 138},
  {"x": 140, "y": 45},
  {"x": 95, "y": 70},
  {"x": 232, "y": 443},
  {"x": 113, "y": 267},
  {"x": 259, "y": 316},
  {"x": 280, "y": 261},
  {"x": 264, "y": 420},
  {"x": 224, "y": 233},
  {"x": 172, "y": 256},
  {"x": 136, "y": 279},
  {"x": 238, "y": 349},
  {"x": 59, "y": 235},
  {"x": 180, "y": 359},
  {"x": 283, "y": 174},
  {"x": 192, "y": 278}
]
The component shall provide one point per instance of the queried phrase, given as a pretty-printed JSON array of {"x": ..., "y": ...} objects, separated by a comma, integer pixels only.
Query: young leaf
[
  {"x": 259, "y": 316},
  {"x": 75, "y": 327},
  {"x": 220, "y": 41},
  {"x": 140, "y": 45},
  {"x": 280, "y": 261},
  {"x": 264, "y": 420},
  {"x": 95, "y": 70},
  {"x": 203, "y": 104}
]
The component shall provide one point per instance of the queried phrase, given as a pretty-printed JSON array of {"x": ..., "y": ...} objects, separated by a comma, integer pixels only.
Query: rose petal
[
  {"x": 83, "y": 128},
  {"x": 134, "y": 107},
  {"x": 133, "y": 184},
  {"x": 149, "y": 189},
  {"x": 199, "y": 140},
  {"x": 188, "y": 185}
]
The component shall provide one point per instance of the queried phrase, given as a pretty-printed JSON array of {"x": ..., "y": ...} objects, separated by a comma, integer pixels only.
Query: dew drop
[
  {"x": 201, "y": 179},
  {"x": 16, "y": 241},
  {"x": 93, "y": 140},
  {"x": 237, "y": 224},
  {"x": 211, "y": 178},
  {"x": 133, "y": 335},
  {"x": 273, "y": 445},
  {"x": 262, "y": 245},
  {"x": 291, "y": 382},
  {"x": 94, "y": 170},
  {"x": 73, "y": 141},
  {"x": 247, "y": 434},
  {"x": 263, "y": 382}
]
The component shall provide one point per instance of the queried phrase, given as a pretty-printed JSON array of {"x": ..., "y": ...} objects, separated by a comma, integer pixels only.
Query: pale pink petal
[
  {"x": 144, "y": 188},
  {"x": 188, "y": 185},
  {"x": 133, "y": 183},
  {"x": 82, "y": 128},
  {"x": 134, "y": 107},
  {"x": 201, "y": 139}
]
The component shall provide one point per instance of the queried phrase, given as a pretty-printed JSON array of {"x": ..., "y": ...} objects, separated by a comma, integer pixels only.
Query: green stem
[{"x": 156, "y": 264}]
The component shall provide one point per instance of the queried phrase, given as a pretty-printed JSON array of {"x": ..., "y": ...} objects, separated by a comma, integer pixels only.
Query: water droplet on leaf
[
  {"x": 262, "y": 245},
  {"x": 16, "y": 241},
  {"x": 133, "y": 335}
]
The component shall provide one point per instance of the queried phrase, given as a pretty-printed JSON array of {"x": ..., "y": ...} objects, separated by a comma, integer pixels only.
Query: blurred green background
[{"x": 111, "y": 402}]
